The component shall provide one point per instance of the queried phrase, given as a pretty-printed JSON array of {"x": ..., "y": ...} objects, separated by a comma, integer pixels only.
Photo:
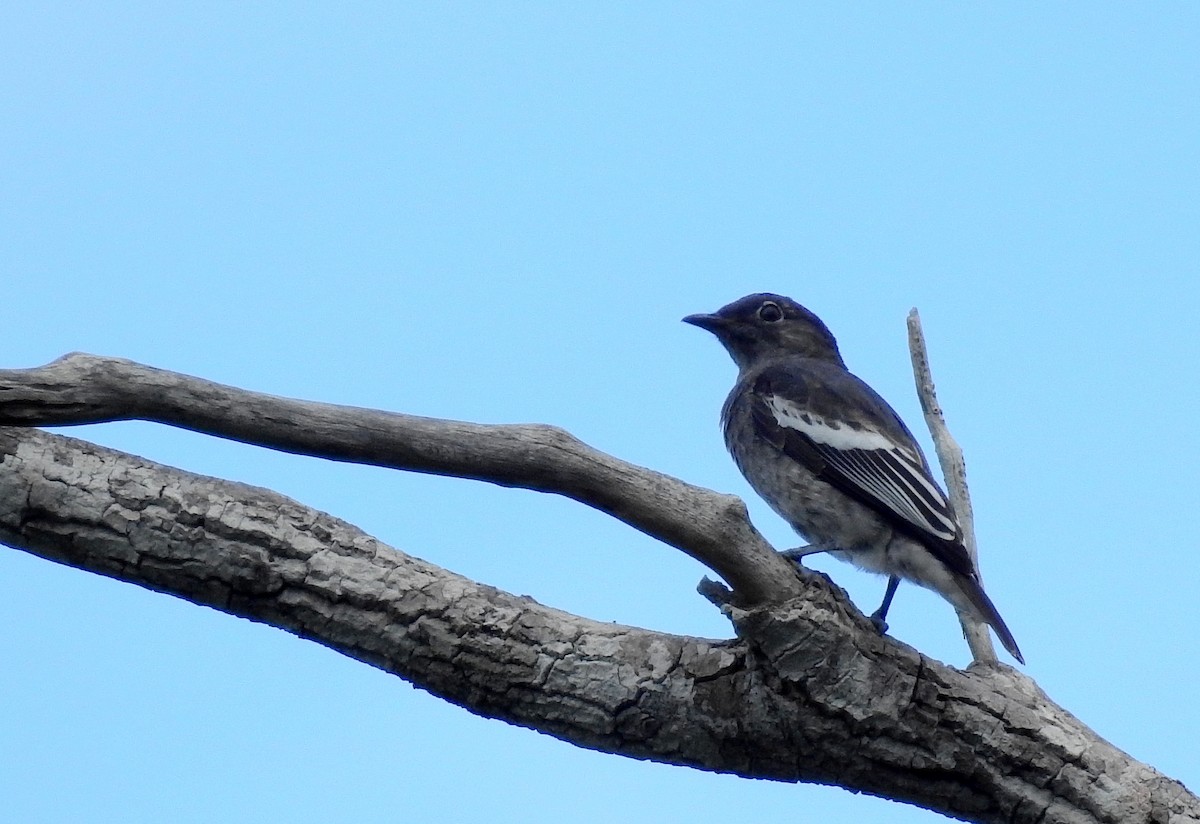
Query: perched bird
[{"x": 835, "y": 460}]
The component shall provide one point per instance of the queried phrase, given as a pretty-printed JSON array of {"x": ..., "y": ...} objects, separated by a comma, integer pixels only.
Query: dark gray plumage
[{"x": 835, "y": 460}]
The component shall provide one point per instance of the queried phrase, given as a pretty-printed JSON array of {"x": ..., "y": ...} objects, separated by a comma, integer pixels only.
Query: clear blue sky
[{"x": 499, "y": 212}]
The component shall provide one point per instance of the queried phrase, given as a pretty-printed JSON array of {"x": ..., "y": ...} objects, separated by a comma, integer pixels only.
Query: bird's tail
[{"x": 987, "y": 611}]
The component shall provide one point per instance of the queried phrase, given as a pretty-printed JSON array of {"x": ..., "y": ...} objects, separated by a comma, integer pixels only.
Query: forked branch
[{"x": 808, "y": 691}]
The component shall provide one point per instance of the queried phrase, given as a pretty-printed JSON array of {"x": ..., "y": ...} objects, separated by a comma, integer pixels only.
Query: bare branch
[
  {"x": 809, "y": 693},
  {"x": 712, "y": 528},
  {"x": 954, "y": 470},
  {"x": 801, "y": 697}
]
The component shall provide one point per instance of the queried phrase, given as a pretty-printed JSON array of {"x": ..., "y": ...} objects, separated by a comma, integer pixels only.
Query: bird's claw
[{"x": 881, "y": 626}]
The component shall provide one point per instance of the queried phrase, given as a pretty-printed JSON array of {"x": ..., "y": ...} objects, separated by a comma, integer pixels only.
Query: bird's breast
[{"x": 813, "y": 507}]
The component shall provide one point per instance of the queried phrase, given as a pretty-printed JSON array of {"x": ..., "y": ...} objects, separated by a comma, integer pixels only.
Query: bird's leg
[
  {"x": 794, "y": 555},
  {"x": 878, "y": 616}
]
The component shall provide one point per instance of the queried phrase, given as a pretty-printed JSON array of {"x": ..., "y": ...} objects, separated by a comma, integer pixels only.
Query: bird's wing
[{"x": 843, "y": 432}]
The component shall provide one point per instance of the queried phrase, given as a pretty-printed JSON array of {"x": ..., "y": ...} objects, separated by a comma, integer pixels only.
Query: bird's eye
[{"x": 770, "y": 312}]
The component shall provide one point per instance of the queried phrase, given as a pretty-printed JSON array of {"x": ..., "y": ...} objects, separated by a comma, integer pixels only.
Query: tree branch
[
  {"x": 712, "y": 528},
  {"x": 808, "y": 693},
  {"x": 954, "y": 470}
]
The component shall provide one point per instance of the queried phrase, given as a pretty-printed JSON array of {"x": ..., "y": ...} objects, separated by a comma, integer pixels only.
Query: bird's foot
[
  {"x": 794, "y": 555},
  {"x": 878, "y": 616}
]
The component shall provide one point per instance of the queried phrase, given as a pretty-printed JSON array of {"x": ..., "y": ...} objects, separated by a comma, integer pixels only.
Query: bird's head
[{"x": 765, "y": 326}]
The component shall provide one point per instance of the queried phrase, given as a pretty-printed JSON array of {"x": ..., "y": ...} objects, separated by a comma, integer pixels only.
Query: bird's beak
[{"x": 711, "y": 323}]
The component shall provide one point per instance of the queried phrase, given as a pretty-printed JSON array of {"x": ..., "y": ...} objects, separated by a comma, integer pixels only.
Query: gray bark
[{"x": 807, "y": 691}]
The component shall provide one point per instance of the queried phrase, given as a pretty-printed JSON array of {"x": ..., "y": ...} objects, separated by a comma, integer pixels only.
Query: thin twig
[{"x": 954, "y": 470}]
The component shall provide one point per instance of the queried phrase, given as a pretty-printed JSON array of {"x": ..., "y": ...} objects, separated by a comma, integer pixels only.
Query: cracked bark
[{"x": 805, "y": 692}]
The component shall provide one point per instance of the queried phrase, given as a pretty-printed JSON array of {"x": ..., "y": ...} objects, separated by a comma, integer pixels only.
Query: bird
[{"x": 835, "y": 461}]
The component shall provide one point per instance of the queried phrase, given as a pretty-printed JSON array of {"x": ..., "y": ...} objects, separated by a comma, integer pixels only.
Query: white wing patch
[
  {"x": 821, "y": 431},
  {"x": 888, "y": 472}
]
